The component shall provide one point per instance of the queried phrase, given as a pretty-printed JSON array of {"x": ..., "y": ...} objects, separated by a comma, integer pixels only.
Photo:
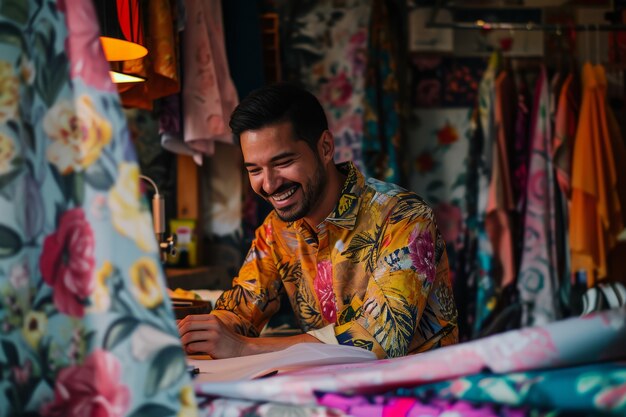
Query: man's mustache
[{"x": 279, "y": 190}]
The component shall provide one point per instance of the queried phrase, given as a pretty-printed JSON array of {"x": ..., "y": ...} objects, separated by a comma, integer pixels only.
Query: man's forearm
[{"x": 256, "y": 345}]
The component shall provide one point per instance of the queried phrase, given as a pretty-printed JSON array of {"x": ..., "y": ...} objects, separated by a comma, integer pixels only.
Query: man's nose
[{"x": 271, "y": 182}]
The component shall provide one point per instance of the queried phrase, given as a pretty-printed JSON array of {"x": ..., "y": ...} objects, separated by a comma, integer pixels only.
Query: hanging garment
[
  {"x": 616, "y": 267},
  {"x": 325, "y": 46},
  {"x": 477, "y": 195},
  {"x": 595, "y": 217},
  {"x": 382, "y": 133},
  {"x": 519, "y": 160},
  {"x": 538, "y": 280},
  {"x": 160, "y": 66},
  {"x": 87, "y": 328},
  {"x": 566, "y": 120},
  {"x": 565, "y": 132},
  {"x": 500, "y": 205},
  {"x": 209, "y": 96}
]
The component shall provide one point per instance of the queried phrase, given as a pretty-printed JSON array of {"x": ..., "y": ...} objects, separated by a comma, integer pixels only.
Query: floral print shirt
[{"x": 376, "y": 268}]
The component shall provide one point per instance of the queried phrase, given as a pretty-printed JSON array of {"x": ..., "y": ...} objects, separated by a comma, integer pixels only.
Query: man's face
[{"x": 284, "y": 171}]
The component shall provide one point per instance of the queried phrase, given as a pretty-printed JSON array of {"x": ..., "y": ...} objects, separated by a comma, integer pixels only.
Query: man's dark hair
[{"x": 281, "y": 102}]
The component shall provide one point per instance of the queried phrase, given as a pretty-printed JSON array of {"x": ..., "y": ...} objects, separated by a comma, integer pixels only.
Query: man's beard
[{"x": 310, "y": 196}]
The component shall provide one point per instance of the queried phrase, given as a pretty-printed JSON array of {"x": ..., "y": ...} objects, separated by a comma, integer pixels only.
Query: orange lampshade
[
  {"x": 121, "y": 29},
  {"x": 116, "y": 49}
]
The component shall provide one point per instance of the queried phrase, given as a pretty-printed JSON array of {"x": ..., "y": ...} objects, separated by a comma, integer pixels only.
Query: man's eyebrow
[{"x": 274, "y": 159}]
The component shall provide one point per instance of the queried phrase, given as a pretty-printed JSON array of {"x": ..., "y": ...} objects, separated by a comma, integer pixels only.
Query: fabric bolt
[
  {"x": 538, "y": 280},
  {"x": 500, "y": 205},
  {"x": 209, "y": 95},
  {"x": 325, "y": 49},
  {"x": 595, "y": 212},
  {"x": 382, "y": 133},
  {"x": 404, "y": 406},
  {"x": 376, "y": 267},
  {"x": 554, "y": 345},
  {"x": 87, "y": 327},
  {"x": 160, "y": 66},
  {"x": 225, "y": 407},
  {"x": 588, "y": 389}
]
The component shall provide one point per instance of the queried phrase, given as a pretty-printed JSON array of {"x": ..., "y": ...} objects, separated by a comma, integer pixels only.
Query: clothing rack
[{"x": 482, "y": 25}]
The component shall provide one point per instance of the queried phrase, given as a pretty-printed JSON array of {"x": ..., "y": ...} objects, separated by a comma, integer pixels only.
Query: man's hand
[{"x": 205, "y": 333}]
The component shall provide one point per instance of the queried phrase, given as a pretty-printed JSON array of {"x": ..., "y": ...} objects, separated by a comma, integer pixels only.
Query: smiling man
[{"x": 361, "y": 261}]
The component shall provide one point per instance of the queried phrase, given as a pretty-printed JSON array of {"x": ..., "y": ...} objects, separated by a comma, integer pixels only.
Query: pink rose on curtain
[
  {"x": 337, "y": 91},
  {"x": 83, "y": 46},
  {"x": 422, "y": 253},
  {"x": 450, "y": 220},
  {"x": 356, "y": 52},
  {"x": 67, "y": 262},
  {"x": 323, "y": 285},
  {"x": 92, "y": 389}
]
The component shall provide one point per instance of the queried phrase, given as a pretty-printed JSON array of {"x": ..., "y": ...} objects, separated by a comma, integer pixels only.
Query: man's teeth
[{"x": 285, "y": 195}]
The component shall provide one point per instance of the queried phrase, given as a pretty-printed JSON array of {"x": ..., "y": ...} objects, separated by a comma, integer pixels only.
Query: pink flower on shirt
[
  {"x": 422, "y": 253},
  {"x": 323, "y": 285}
]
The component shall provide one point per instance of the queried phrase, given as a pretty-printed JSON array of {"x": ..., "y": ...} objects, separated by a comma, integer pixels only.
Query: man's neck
[{"x": 329, "y": 197}]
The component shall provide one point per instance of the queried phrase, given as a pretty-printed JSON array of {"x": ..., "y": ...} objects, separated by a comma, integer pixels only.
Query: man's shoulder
[{"x": 398, "y": 201}]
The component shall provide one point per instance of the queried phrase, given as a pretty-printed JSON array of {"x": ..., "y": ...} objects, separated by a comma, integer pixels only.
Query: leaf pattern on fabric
[
  {"x": 235, "y": 297},
  {"x": 393, "y": 317},
  {"x": 290, "y": 272},
  {"x": 307, "y": 309},
  {"x": 409, "y": 208},
  {"x": 364, "y": 247},
  {"x": 351, "y": 311}
]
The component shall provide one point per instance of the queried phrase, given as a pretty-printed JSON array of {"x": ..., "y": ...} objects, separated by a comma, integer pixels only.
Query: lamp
[
  {"x": 120, "y": 77},
  {"x": 121, "y": 29},
  {"x": 166, "y": 245}
]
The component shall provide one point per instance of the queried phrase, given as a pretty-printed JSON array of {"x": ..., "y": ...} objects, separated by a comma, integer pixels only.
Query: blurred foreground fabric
[{"x": 86, "y": 328}]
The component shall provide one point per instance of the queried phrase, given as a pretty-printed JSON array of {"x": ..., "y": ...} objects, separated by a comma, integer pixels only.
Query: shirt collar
[{"x": 344, "y": 214}]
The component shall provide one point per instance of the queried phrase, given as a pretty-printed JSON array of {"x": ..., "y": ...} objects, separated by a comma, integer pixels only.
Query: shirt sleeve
[
  {"x": 255, "y": 294},
  {"x": 408, "y": 284},
  {"x": 325, "y": 335}
]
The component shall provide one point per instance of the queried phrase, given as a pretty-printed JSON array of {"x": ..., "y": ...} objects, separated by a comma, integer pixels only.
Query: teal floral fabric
[
  {"x": 87, "y": 329},
  {"x": 594, "y": 389}
]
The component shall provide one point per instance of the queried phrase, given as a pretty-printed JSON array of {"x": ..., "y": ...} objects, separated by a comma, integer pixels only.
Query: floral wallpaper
[{"x": 438, "y": 147}]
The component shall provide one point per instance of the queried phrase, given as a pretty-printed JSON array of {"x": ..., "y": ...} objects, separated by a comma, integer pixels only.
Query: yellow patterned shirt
[{"x": 376, "y": 268}]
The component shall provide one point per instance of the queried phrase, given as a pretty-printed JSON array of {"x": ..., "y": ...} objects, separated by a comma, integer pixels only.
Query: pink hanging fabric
[
  {"x": 209, "y": 95},
  {"x": 538, "y": 275}
]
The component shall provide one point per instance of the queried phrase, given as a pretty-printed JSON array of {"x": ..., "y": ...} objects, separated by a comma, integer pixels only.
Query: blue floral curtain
[{"x": 86, "y": 327}]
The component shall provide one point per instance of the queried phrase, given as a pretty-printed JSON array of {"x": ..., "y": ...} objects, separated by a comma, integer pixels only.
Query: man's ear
[{"x": 326, "y": 147}]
